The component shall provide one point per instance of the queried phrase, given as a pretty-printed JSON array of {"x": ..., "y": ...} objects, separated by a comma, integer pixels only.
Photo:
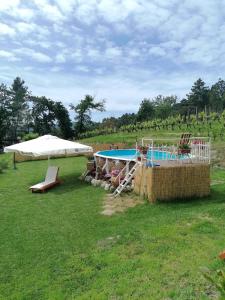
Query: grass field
[
  {"x": 131, "y": 137},
  {"x": 57, "y": 245}
]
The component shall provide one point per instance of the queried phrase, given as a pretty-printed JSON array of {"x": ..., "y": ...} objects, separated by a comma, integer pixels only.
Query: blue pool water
[{"x": 131, "y": 154}]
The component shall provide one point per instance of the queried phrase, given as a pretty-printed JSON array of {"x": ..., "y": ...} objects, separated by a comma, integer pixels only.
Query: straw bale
[
  {"x": 21, "y": 158},
  {"x": 172, "y": 182},
  {"x": 137, "y": 180},
  {"x": 106, "y": 146}
]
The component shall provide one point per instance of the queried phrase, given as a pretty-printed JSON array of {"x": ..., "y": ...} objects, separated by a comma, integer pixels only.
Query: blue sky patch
[{"x": 121, "y": 50}]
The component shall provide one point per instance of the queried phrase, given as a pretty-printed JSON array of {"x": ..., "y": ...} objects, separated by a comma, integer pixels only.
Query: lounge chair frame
[{"x": 45, "y": 185}]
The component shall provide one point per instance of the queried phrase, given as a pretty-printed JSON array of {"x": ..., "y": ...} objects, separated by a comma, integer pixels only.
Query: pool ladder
[{"x": 126, "y": 180}]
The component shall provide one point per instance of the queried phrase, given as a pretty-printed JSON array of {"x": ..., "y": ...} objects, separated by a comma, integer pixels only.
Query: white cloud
[
  {"x": 134, "y": 52},
  {"x": 113, "y": 53},
  {"x": 150, "y": 16},
  {"x": 66, "y": 6},
  {"x": 42, "y": 31},
  {"x": 39, "y": 33},
  {"x": 8, "y": 55},
  {"x": 6, "y": 30},
  {"x": 60, "y": 44},
  {"x": 24, "y": 13},
  {"x": 60, "y": 58},
  {"x": 76, "y": 55},
  {"x": 55, "y": 69},
  {"x": 171, "y": 4},
  {"x": 35, "y": 55},
  {"x": 179, "y": 28},
  {"x": 13, "y": 8},
  {"x": 117, "y": 11},
  {"x": 40, "y": 57},
  {"x": 28, "y": 68},
  {"x": 6, "y": 5},
  {"x": 38, "y": 43},
  {"x": 94, "y": 53},
  {"x": 102, "y": 30},
  {"x": 4, "y": 53},
  {"x": 201, "y": 52},
  {"x": 85, "y": 11},
  {"x": 49, "y": 11},
  {"x": 122, "y": 28},
  {"x": 99, "y": 71},
  {"x": 81, "y": 68},
  {"x": 25, "y": 27},
  {"x": 157, "y": 51},
  {"x": 44, "y": 44},
  {"x": 171, "y": 44}
]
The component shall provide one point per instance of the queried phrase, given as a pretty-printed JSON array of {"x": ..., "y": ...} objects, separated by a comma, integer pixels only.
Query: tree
[
  {"x": 83, "y": 111},
  {"x": 4, "y": 112},
  {"x": 43, "y": 114},
  {"x": 127, "y": 119},
  {"x": 199, "y": 95},
  {"x": 181, "y": 107},
  {"x": 164, "y": 106},
  {"x": 63, "y": 120},
  {"x": 18, "y": 106},
  {"x": 146, "y": 110},
  {"x": 217, "y": 96},
  {"x": 111, "y": 122}
]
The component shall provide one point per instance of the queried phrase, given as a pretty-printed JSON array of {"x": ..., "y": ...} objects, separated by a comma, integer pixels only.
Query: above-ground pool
[{"x": 132, "y": 154}]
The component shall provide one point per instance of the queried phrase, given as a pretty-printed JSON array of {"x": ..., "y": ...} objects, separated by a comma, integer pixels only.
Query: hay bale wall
[
  {"x": 173, "y": 182},
  {"x": 21, "y": 158},
  {"x": 106, "y": 146}
]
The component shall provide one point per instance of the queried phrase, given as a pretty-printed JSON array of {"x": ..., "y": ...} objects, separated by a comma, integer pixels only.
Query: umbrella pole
[
  {"x": 48, "y": 160},
  {"x": 14, "y": 160}
]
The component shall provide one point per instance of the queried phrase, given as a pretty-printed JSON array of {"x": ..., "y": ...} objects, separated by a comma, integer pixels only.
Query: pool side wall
[{"x": 172, "y": 182}]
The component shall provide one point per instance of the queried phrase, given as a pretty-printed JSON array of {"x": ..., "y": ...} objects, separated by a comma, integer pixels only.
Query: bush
[
  {"x": 30, "y": 136},
  {"x": 3, "y": 165}
]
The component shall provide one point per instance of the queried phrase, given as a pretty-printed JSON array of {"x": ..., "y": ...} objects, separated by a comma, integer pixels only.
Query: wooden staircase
[{"x": 126, "y": 180}]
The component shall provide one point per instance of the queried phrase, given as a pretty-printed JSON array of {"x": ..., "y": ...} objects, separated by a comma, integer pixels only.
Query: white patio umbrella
[{"x": 48, "y": 145}]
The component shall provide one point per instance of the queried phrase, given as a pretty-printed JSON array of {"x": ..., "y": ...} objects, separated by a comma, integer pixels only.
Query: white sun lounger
[{"x": 51, "y": 179}]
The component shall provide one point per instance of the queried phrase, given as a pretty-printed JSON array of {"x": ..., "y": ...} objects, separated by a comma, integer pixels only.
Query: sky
[{"x": 118, "y": 50}]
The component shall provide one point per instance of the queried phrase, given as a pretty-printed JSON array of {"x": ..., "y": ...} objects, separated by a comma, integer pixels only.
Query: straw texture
[{"x": 173, "y": 182}]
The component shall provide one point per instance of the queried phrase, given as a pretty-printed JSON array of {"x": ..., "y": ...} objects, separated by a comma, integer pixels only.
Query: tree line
[
  {"x": 163, "y": 110},
  {"x": 24, "y": 116}
]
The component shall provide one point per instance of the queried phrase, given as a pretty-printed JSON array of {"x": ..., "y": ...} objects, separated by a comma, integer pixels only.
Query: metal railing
[{"x": 197, "y": 150}]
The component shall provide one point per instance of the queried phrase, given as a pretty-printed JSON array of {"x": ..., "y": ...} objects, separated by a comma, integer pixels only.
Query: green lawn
[
  {"x": 57, "y": 245},
  {"x": 131, "y": 137}
]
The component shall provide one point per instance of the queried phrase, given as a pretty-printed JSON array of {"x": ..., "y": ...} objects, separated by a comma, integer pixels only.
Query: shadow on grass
[
  {"x": 66, "y": 186},
  {"x": 215, "y": 197},
  {"x": 68, "y": 183},
  {"x": 71, "y": 182}
]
